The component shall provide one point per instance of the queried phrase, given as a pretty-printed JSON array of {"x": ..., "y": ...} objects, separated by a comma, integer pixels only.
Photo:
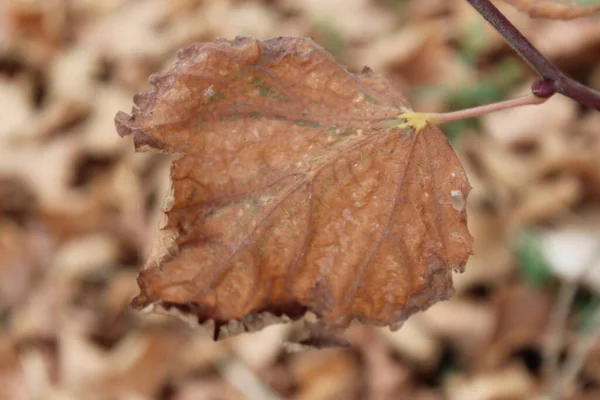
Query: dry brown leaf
[
  {"x": 415, "y": 343},
  {"x": 354, "y": 20},
  {"x": 522, "y": 317},
  {"x": 591, "y": 367},
  {"x": 531, "y": 178},
  {"x": 512, "y": 382},
  {"x": 12, "y": 378},
  {"x": 21, "y": 257},
  {"x": 328, "y": 374},
  {"x": 207, "y": 389},
  {"x": 408, "y": 53},
  {"x": 556, "y": 9},
  {"x": 293, "y": 192}
]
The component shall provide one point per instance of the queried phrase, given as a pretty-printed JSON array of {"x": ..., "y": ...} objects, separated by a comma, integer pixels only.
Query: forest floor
[{"x": 78, "y": 208}]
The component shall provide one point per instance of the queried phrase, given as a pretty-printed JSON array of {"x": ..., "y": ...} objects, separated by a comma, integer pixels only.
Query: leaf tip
[
  {"x": 143, "y": 100},
  {"x": 140, "y": 302},
  {"x": 161, "y": 80},
  {"x": 123, "y": 123}
]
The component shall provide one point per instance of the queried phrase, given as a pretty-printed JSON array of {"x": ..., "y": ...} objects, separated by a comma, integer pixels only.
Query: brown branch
[{"x": 552, "y": 79}]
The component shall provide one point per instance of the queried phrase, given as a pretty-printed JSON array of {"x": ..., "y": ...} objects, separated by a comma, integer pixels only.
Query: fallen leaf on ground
[
  {"x": 295, "y": 190},
  {"x": 557, "y": 9},
  {"x": 511, "y": 383}
]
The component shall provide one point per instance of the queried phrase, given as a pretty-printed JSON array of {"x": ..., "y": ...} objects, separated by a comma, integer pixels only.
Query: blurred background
[{"x": 78, "y": 208}]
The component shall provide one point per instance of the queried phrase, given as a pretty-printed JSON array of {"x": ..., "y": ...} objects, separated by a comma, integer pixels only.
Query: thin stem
[
  {"x": 443, "y": 118},
  {"x": 559, "y": 381},
  {"x": 577, "y": 360},
  {"x": 557, "y": 327},
  {"x": 547, "y": 71}
]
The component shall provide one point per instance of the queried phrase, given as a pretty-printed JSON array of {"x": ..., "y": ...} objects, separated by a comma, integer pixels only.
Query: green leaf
[
  {"x": 585, "y": 308},
  {"x": 528, "y": 257}
]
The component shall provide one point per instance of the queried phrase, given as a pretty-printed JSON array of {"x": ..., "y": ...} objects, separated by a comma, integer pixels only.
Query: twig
[
  {"x": 560, "y": 380},
  {"x": 576, "y": 361},
  {"x": 557, "y": 327},
  {"x": 549, "y": 73}
]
